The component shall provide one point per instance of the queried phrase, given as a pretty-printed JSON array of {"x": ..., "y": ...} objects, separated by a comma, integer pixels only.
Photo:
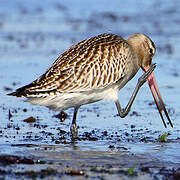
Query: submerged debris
[
  {"x": 10, "y": 115},
  {"x": 75, "y": 173},
  {"x": 30, "y": 120},
  {"x": 130, "y": 171},
  {"x": 163, "y": 137},
  {"x": 62, "y": 116},
  {"x": 12, "y": 159}
]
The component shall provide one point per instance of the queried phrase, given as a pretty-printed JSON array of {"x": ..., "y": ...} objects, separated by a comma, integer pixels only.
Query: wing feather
[{"x": 94, "y": 63}]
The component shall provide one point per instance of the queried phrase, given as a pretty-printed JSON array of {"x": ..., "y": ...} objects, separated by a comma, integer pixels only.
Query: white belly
[{"x": 63, "y": 101}]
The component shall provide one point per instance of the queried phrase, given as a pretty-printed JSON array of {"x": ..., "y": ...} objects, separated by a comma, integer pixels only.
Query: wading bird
[{"x": 93, "y": 70}]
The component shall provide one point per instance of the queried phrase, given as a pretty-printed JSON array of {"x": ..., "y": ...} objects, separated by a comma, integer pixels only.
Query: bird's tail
[
  {"x": 31, "y": 90},
  {"x": 21, "y": 92}
]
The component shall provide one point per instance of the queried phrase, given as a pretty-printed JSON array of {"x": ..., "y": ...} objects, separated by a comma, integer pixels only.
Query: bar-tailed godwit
[{"x": 93, "y": 70}]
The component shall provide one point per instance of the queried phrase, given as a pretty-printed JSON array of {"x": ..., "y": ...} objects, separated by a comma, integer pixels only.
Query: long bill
[{"x": 155, "y": 92}]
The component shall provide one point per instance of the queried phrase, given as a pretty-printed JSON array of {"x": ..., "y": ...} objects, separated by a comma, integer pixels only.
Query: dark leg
[
  {"x": 73, "y": 127},
  {"x": 123, "y": 112}
]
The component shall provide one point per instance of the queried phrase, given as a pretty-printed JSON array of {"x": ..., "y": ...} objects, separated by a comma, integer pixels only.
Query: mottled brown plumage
[
  {"x": 91, "y": 64},
  {"x": 92, "y": 70}
]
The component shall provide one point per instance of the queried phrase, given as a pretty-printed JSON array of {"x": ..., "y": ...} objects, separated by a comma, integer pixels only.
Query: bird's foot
[{"x": 74, "y": 132}]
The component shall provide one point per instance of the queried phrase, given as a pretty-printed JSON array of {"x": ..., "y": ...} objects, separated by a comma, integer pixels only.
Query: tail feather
[
  {"x": 21, "y": 92},
  {"x": 26, "y": 91}
]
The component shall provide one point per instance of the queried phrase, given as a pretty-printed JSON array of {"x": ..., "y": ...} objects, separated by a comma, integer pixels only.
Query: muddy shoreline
[
  {"x": 55, "y": 163},
  {"x": 35, "y": 142}
]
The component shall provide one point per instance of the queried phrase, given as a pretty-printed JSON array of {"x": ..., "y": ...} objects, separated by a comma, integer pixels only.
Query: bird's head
[{"x": 145, "y": 49}]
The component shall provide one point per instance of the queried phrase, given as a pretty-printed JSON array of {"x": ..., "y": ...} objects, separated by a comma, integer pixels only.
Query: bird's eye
[{"x": 151, "y": 51}]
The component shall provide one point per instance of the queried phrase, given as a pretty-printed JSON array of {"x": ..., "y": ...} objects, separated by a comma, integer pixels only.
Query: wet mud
[
  {"x": 74, "y": 165},
  {"x": 35, "y": 143}
]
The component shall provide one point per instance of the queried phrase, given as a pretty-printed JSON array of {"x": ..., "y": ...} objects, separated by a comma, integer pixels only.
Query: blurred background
[{"x": 34, "y": 33}]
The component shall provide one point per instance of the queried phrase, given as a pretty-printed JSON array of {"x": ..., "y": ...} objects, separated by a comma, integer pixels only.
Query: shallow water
[{"x": 33, "y": 35}]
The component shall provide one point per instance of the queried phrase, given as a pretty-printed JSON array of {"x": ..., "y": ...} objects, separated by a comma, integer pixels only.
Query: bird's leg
[
  {"x": 123, "y": 112},
  {"x": 73, "y": 127}
]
